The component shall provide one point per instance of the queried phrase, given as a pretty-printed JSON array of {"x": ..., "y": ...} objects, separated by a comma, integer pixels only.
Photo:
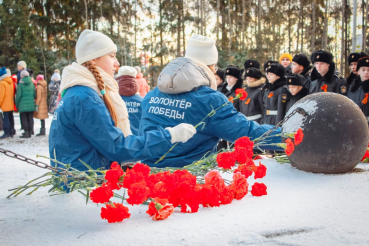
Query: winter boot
[
  {"x": 26, "y": 134},
  {"x": 42, "y": 132},
  {"x": 6, "y": 135},
  {"x": 12, "y": 132}
]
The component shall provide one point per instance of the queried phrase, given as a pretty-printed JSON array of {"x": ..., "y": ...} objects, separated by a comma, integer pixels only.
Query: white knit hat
[
  {"x": 22, "y": 64},
  {"x": 92, "y": 45},
  {"x": 203, "y": 49},
  {"x": 127, "y": 70},
  {"x": 24, "y": 73}
]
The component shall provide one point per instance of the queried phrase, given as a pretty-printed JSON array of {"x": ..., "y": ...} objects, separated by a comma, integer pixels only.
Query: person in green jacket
[{"x": 25, "y": 102}]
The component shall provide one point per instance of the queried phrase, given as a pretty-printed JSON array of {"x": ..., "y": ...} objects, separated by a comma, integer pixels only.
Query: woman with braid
[{"x": 91, "y": 121}]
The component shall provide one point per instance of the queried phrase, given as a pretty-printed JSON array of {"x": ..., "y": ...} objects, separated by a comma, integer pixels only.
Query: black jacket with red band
[
  {"x": 333, "y": 82},
  {"x": 359, "y": 93},
  {"x": 252, "y": 107},
  {"x": 275, "y": 98}
]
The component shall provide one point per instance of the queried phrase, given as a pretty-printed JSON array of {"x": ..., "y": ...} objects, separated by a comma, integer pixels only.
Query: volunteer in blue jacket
[
  {"x": 91, "y": 121},
  {"x": 186, "y": 92},
  {"x": 130, "y": 93}
]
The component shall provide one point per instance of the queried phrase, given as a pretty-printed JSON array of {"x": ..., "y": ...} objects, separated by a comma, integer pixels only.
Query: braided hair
[{"x": 101, "y": 85}]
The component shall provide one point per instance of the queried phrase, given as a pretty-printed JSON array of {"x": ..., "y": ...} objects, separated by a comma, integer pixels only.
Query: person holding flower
[
  {"x": 91, "y": 122},
  {"x": 186, "y": 93}
]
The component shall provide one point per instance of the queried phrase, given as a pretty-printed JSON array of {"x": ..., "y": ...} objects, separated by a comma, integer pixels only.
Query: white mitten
[{"x": 181, "y": 133}]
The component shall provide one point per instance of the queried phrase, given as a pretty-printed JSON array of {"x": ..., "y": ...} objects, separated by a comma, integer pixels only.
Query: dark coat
[
  {"x": 306, "y": 74},
  {"x": 253, "y": 105},
  {"x": 334, "y": 82},
  {"x": 351, "y": 79},
  {"x": 275, "y": 98},
  {"x": 219, "y": 87},
  {"x": 293, "y": 99},
  {"x": 357, "y": 92},
  {"x": 232, "y": 92}
]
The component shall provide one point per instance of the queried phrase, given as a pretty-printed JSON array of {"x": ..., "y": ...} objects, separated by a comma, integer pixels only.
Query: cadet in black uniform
[
  {"x": 220, "y": 78},
  {"x": 352, "y": 61},
  {"x": 323, "y": 77},
  {"x": 295, "y": 83},
  {"x": 301, "y": 65},
  {"x": 275, "y": 96},
  {"x": 252, "y": 107},
  {"x": 234, "y": 81},
  {"x": 359, "y": 89}
]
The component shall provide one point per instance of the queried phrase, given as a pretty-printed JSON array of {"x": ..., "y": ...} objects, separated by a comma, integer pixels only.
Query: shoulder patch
[
  {"x": 343, "y": 89},
  {"x": 284, "y": 96}
]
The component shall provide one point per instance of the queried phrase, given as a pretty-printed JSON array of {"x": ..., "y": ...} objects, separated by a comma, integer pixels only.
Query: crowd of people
[
  {"x": 28, "y": 96},
  {"x": 107, "y": 112}
]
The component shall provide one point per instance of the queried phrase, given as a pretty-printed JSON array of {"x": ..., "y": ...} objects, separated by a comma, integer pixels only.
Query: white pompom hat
[
  {"x": 92, "y": 45},
  {"x": 202, "y": 49},
  {"x": 127, "y": 70}
]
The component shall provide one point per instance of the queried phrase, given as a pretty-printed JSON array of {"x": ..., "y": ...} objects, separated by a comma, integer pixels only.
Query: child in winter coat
[
  {"x": 252, "y": 107},
  {"x": 54, "y": 87},
  {"x": 25, "y": 102},
  {"x": 41, "y": 103},
  {"x": 129, "y": 91},
  {"x": 275, "y": 96},
  {"x": 295, "y": 83},
  {"x": 359, "y": 89},
  {"x": 234, "y": 81},
  {"x": 91, "y": 121},
  {"x": 6, "y": 103}
]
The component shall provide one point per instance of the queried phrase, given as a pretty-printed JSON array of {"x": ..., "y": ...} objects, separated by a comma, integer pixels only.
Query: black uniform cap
[
  {"x": 234, "y": 71},
  {"x": 295, "y": 79},
  {"x": 253, "y": 73},
  {"x": 277, "y": 69}
]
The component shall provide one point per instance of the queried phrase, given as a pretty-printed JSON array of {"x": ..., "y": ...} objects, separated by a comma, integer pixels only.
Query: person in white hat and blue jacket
[
  {"x": 186, "y": 92},
  {"x": 91, "y": 121}
]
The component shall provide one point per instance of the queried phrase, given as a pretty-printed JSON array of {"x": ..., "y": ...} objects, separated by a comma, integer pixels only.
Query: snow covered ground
[{"x": 300, "y": 209}]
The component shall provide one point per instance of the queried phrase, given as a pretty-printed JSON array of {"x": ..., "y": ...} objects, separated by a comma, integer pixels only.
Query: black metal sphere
[{"x": 335, "y": 134}]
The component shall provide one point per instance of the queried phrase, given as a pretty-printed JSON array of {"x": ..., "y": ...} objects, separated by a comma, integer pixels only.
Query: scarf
[{"x": 79, "y": 75}]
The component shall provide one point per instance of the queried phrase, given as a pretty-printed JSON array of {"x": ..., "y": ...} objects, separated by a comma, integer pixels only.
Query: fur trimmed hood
[{"x": 257, "y": 83}]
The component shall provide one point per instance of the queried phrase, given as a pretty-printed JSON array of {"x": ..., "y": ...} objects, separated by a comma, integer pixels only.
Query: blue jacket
[
  {"x": 133, "y": 104},
  {"x": 83, "y": 129},
  {"x": 189, "y": 101}
]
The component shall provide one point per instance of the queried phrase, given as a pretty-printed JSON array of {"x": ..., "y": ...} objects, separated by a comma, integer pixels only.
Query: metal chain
[{"x": 40, "y": 164}]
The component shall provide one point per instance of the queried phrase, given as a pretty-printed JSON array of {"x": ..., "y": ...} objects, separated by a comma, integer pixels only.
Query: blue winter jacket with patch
[
  {"x": 134, "y": 109},
  {"x": 82, "y": 128},
  {"x": 183, "y": 95}
]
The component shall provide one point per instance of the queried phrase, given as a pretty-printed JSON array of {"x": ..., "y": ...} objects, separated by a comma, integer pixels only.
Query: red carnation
[
  {"x": 259, "y": 189},
  {"x": 164, "y": 212},
  {"x": 260, "y": 172},
  {"x": 113, "y": 175},
  {"x": 152, "y": 209},
  {"x": 142, "y": 168},
  {"x": 242, "y": 92},
  {"x": 132, "y": 177},
  {"x": 209, "y": 176},
  {"x": 245, "y": 144},
  {"x": 226, "y": 160},
  {"x": 245, "y": 170},
  {"x": 160, "y": 190},
  {"x": 101, "y": 194},
  {"x": 115, "y": 212},
  {"x": 239, "y": 186},
  {"x": 227, "y": 195},
  {"x": 290, "y": 147},
  {"x": 138, "y": 193},
  {"x": 299, "y": 136}
]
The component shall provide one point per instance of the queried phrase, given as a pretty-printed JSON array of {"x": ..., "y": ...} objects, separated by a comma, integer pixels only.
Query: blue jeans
[{"x": 6, "y": 122}]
